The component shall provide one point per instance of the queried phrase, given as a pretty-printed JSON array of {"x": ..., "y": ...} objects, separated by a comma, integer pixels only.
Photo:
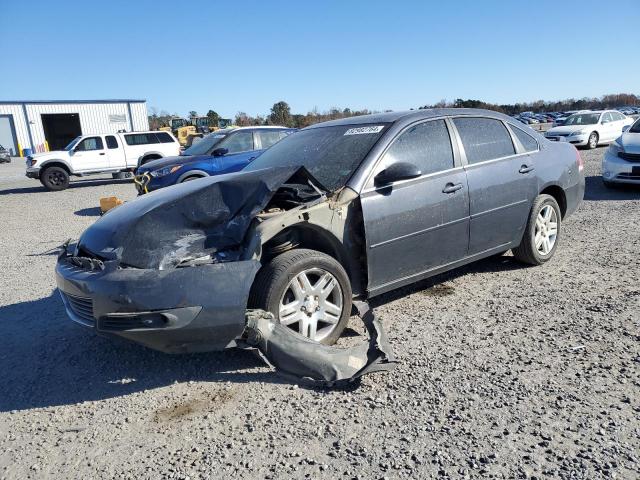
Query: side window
[
  {"x": 606, "y": 118},
  {"x": 141, "y": 139},
  {"x": 617, "y": 116},
  {"x": 164, "y": 137},
  {"x": 426, "y": 145},
  {"x": 112, "y": 142},
  {"x": 238, "y": 142},
  {"x": 90, "y": 143},
  {"x": 268, "y": 138},
  {"x": 484, "y": 139},
  {"x": 528, "y": 142}
]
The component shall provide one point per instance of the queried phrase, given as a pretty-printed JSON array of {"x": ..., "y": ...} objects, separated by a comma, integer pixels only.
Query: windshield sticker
[{"x": 364, "y": 130}]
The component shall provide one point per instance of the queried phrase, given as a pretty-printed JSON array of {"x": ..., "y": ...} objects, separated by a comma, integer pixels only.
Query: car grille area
[
  {"x": 81, "y": 308},
  {"x": 630, "y": 157}
]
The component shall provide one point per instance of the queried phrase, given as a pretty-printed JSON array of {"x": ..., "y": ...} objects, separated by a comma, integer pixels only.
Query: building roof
[{"x": 20, "y": 102}]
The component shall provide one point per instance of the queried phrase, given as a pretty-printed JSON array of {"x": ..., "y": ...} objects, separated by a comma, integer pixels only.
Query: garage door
[{"x": 8, "y": 134}]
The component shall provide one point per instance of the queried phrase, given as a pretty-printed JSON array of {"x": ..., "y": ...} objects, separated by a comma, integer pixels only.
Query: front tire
[
  {"x": 54, "y": 178},
  {"x": 593, "y": 141},
  {"x": 542, "y": 233},
  {"x": 307, "y": 291}
]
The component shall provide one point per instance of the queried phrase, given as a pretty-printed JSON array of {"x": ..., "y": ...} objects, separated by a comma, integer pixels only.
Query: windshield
[
  {"x": 331, "y": 154},
  {"x": 583, "y": 119},
  {"x": 205, "y": 146},
  {"x": 73, "y": 143},
  {"x": 635, "y": 128}
]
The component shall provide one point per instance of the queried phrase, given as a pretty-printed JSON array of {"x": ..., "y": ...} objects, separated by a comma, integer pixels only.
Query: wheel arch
[
  {"x": 56, "y": 163},
  {"x": 557, "y": 192},
  {"x": 192, "y": 173},
  {"x": 314, "y": 237}
]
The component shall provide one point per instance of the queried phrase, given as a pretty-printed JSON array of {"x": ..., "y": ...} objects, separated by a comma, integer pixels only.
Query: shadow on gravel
[
  {"x": 46, "y": 360},
  {"x": 595, "y": 190},
  {"x": 73, "y": 184},
  {"x": 88, "y": 212},
  {"x": 433, "y": 286}
]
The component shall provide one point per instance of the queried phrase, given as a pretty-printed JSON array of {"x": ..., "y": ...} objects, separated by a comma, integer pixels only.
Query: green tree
[
  {"x": 213, "y": 117},
  {"x": 281, "y": 114}
]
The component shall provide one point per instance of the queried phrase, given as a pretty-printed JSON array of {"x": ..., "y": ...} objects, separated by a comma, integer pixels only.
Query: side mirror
[
  {"x": 395, "y": 172},
  {"x": 626, "y": 128},
  {"x": 220, "y": 152}
]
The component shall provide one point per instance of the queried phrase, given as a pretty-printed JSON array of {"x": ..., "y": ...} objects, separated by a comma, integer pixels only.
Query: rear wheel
[
  {"x": 307, "y": 291},
  {"x": 542, "y": 233},
  {"x": 593, "y": 141},
  {"x": 54, "y": 178}
]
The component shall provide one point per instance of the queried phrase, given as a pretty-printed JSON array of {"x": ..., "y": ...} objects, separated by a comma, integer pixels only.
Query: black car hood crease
[{"x": 192, "y": 219}]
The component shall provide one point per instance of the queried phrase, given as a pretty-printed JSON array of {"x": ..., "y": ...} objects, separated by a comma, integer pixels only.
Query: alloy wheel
[
  {"x": 312, "y": 304},
  {"x": 546, "y": 231},
  {"x": 56, "y": 178},
  {"x": 593, "y": 140}
]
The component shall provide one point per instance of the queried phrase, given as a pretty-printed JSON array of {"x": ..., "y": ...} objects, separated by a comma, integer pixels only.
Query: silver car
[
  {"x": 5, "y": 155},
  {"x": 621, "y": 162}
]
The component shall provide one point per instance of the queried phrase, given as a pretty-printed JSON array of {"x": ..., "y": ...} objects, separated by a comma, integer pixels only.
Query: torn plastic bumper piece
[
  {"x": 296, "y": 356},
  {"x": 180, "y": 310}
]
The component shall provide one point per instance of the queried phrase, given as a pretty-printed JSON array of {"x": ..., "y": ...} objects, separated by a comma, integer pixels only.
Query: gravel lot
[{"x": 506, "y": 371}]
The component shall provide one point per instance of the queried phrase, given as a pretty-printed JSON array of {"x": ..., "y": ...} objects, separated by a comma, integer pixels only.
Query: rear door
[
  {"x": 414, "y": 226},
  {"x": 90, "y": 155},
  {"x": 115, "y": 152},
  {"x": 502, "y": 183}
]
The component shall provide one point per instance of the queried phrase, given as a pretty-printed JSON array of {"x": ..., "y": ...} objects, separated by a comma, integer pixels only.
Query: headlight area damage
[{"x": 173, "y": 270}]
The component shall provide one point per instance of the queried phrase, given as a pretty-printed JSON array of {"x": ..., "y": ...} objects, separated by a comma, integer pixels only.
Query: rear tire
[
  {"x": 593, "y": 140},
  {"x": 54, "y": 178},
  {"x": 308, "y": 291},
  {"x": 539, "y": 241}
]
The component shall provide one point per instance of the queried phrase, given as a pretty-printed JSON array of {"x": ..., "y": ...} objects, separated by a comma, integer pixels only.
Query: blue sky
[{"x": 246, "y": 55}]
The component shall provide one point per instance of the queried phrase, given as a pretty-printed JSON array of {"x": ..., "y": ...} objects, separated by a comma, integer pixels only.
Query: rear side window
[
  {"x": 164, "y": 137},
  {"x": 484, "y": 139},
  {"x": 90, "y": 143},
  {"x": 238, "y": 142},
  {"x": 528, "y": 142},
  {"x": 141, "y": 138},
  {"x": 426, "y": 145},
  {"x": 617, "y": 116},
  {"x": 112, "y": 142},
  {"x": 268, "y": 138}
]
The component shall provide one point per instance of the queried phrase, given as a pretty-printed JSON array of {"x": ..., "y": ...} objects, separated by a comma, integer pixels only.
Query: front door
[
  {"x": 416, "y": 225},
  {"x": 502, "y": 183},
  {"x": 90, "y": 154}
]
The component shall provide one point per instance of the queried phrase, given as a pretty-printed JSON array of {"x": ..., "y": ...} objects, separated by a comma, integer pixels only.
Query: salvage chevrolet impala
[{"x": 340, "y": 210}]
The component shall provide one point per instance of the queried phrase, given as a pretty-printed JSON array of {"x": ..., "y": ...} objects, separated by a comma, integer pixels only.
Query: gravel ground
[{"x": 506, "y": 371}]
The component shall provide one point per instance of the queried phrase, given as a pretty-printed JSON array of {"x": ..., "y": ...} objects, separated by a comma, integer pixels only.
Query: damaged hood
[{"x": 188, "y": 220}]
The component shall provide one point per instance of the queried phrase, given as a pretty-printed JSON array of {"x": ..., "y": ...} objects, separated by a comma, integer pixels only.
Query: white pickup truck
[{"x": 116, "y": 153}]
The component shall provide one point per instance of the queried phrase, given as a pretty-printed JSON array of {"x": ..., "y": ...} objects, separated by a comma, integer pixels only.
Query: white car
[
  {"x": 590, "y": 129},
  {"x": 116, "y": 153},
  {"x": 621, "y": 162}
]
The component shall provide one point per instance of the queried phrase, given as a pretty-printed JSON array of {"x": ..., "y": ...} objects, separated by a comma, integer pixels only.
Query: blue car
[{"x": 223, "y": 151}]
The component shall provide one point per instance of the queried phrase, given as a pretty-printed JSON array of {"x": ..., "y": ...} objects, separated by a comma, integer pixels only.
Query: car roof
[{"x": 391, "y": 117}]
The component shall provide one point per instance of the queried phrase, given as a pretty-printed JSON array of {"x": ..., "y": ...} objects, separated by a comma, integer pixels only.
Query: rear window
[
  {"x": 528, "y": 142},
  {"x": 164, "y": 137},
  {"x": 141, "y": 138},
  {"x": 484, "y": 139}
]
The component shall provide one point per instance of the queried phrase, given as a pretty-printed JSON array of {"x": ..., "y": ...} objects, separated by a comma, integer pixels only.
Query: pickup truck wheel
[
  {"x": 54, "y": 178},
  {"x": 542, "y": 233},
  {"x": 307, "y": 291}
]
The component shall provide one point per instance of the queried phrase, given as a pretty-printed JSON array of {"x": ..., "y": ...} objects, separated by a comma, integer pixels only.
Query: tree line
[{"x": 281, "y": 114}]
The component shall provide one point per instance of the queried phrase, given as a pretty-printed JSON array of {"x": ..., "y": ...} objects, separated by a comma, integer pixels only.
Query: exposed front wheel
[
  {"x": 54, "y": 178},
  {"x": 593, "y": 141},
  {"x": 542, "y": 232},
  {"x": 307, "y": 291}
]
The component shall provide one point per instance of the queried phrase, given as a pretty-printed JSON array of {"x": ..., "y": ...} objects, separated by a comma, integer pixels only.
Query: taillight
[{"x": 579, "y": 161}]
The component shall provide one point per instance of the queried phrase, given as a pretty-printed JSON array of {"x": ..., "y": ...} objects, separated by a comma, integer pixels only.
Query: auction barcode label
[{"x": 364, "y": 130}]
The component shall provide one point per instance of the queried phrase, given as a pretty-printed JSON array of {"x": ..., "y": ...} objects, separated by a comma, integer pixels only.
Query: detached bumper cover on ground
[{"x": 296, "y": 356}]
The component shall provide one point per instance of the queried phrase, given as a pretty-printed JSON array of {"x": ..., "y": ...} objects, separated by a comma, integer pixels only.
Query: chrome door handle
[
  {"x": 450, "y": 187},
  {"x": 525, "y": 169}
]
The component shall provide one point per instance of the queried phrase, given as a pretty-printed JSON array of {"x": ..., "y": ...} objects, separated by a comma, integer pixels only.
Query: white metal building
[{"x": 51, "y": 125}]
